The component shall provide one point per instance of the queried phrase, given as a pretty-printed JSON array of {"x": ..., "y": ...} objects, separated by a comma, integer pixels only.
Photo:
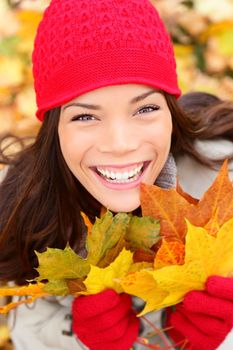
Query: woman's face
[{"x": 113, "y": 138}]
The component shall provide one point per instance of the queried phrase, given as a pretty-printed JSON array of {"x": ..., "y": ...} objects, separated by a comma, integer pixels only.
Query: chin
[{"x": 123, "y": 207}]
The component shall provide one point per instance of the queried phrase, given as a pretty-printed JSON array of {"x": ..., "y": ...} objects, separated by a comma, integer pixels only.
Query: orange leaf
[
  {"x": 29, "y": 290},
  {"x": 172, "y": 207},
  {"x": 185, "y": 195},
  {"x": 35, "y": 291},
  {"x": 5, "y": 309},
  {"x": 87, "y": 223},
  {"x": 218, "y": 197},
  {"x": 169, "y": 207},
  {"x": 103, "y": 211},
  {"x": 212, "y": 225},
  {"x": 170, "y": 253}
]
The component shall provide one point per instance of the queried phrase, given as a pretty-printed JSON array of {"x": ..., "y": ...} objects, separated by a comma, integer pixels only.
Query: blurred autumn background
[{"x": 202, "y": 31}]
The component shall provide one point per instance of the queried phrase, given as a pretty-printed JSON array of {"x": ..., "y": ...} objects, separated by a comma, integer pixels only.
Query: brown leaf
[
  {"x": 76, "y": 286},
  {"x": 143, "y": 255}
]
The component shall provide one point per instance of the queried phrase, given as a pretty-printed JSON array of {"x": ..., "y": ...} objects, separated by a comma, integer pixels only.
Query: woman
[{"x": 106, "y": 88}]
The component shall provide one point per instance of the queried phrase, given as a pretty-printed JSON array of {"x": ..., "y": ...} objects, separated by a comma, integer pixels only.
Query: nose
[{"x": 118, "y": 139}]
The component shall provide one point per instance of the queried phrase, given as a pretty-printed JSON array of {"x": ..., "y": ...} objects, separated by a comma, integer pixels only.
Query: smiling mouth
[{"x": 122, "y": 175}]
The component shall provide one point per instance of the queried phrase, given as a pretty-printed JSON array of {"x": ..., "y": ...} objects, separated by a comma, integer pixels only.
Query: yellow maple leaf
[
  {"x": 205, "y": 255},
  {"x": 100, "y": 279},
  {"x": 142, "y": 285}
]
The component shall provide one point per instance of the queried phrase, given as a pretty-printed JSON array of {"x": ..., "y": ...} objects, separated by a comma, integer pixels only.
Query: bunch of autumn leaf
[{"x": 172, "y": 249}]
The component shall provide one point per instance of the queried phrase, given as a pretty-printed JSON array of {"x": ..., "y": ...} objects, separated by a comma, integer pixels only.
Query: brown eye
[
  {"x": 83, "y": 117},
  {"x": 148, "y": 109}
]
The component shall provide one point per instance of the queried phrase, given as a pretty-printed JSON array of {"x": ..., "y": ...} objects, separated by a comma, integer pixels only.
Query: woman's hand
[
  {"x": 105, "y": 321},
  {"x": 206, "y": 317}
]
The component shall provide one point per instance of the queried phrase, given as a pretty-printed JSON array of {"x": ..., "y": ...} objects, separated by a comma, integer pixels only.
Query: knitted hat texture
[{"x": 82, "y": 45}]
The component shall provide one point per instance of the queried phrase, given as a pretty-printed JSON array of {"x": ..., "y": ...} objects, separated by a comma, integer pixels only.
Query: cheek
[
  {"x": 70, "y": 145},
  {"x": 166, "y": 134},
  {"x": 75, "y": 147},
  {"x": 160, "y": 134}
]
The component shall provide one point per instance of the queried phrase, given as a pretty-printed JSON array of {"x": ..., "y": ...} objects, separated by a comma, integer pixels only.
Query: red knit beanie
[{"x": 83, "y": 45}]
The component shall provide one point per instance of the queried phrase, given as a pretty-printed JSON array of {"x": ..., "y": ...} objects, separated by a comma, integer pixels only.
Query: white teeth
[
  {"x": 125, "y": 175},
  {"x": 119, "y": 177},
  {"x": 132, "y": 172},
  {"x": 113, "y": 176}
]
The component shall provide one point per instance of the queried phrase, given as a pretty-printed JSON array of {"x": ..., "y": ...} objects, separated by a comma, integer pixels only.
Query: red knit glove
[
  {"x": 105, "y": 321},
  {"x": 205, "y": 318}
]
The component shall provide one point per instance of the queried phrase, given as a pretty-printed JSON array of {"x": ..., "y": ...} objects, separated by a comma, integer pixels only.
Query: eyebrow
[{"x": 96, "y": 107}]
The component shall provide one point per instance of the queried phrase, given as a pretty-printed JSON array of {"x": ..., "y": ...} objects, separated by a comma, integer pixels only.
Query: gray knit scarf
[{"x": 167, "y": 176}]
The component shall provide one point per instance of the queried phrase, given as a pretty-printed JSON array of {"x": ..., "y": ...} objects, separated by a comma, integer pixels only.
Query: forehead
[{"x": 121, "y": 92}]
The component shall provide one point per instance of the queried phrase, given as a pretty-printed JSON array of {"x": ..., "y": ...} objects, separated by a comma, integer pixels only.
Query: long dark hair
[
  {"x": 210, "y": 118},
  {"x": 40, "y": 204},
  {"x": 41, "y": 200}
]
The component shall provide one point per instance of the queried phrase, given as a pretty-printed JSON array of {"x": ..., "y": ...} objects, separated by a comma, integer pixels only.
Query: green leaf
[
  {"x": 143, "y": 232},
  {"x": 56, "y": 287},
  {"x": 65, "y": 270},
  {"x": 58, "y": 264},
  {"x": 104, "y": 242},
  {"x": 112, "y": 254},
  {"x": 105, "y": 234}
]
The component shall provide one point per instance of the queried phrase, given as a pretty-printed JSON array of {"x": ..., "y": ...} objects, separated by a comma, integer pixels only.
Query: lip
[{"x": 122, "y": 186}]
